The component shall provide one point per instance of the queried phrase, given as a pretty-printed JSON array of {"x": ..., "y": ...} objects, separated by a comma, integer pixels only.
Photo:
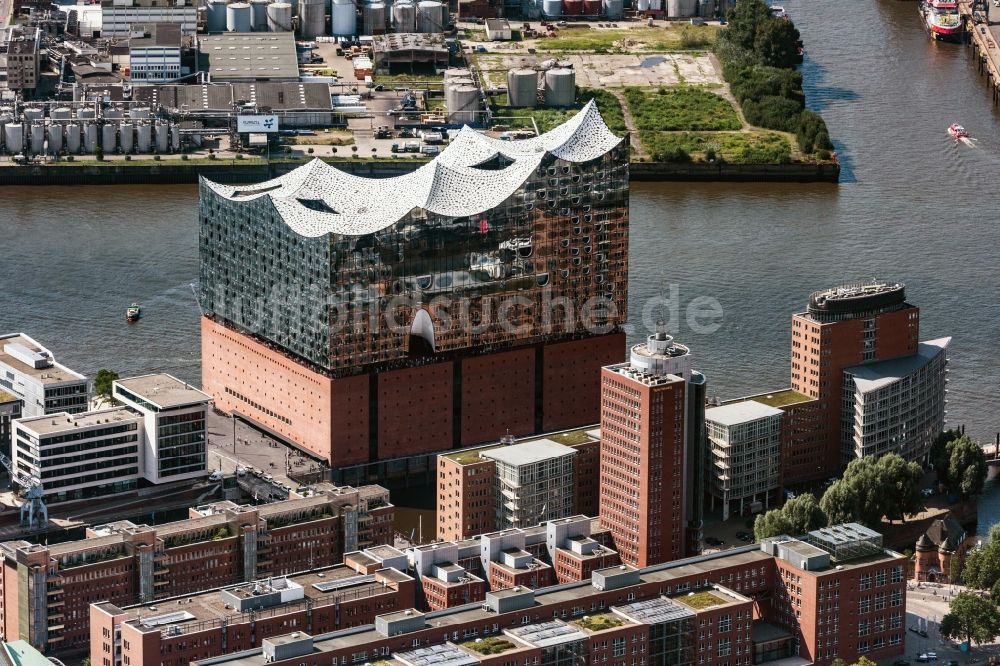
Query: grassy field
[
  {"x": 756, "y": 147},
  {"x": 608, "y": 104},
  {"x": 681, "y": 108},
  {"x": 680, "y": 37}
]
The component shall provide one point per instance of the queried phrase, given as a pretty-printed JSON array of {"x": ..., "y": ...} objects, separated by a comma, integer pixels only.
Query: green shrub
[
  {"x": 239, "y": 156},
  {"x": 710, "y": 154},
  {"x": 672, "y": 155},
  {"x": 156, "y": 158},
  {"x": 681, "y": 108},
  {"x": 184, "y": 157},
  {"x": 310, "y": 151},
  {"x": 824, "y": 154},
  {"x": 211, "y": 155},
  {"x": 69, "y": 158},
  {"x": 128, "y": 158}
]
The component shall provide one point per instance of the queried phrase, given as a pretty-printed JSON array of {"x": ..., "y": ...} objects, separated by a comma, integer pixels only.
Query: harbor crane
[{"x": 34, "y": 513}]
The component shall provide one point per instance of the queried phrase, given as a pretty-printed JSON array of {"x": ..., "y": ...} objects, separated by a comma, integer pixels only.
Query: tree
[
  {"x": 103, "y": 381},
  {"x": 971, "y": 618},
  {"x": 939, "y": 452},
  {"x": 966, "y": 467},
  {"x": 798, "y": 516},
  {"x": 743, "y": 20},
  {"x": 871, "y": 488},
  {"x": 982, "y": 565},
  {"x": 777, "y": 42},
  {"x": 864, "y": 661}
]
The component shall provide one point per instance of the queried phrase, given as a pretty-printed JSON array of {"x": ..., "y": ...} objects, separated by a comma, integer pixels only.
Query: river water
[{"x": 914, "y": 206}]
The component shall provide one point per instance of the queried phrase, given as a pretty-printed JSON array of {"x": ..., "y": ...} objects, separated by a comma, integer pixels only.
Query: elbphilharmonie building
[{"x": 368, "y": 319}]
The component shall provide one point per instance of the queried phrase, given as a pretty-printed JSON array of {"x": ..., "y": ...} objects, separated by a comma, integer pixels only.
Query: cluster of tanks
[
  {"x": 461, "y": 96},
  {"x": 72, "y": 131},
  {"x": 554, "y": 83},
  {"x": 347, "y": 17}
]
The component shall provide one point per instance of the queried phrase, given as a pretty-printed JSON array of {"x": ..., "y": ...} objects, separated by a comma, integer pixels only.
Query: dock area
[{"x": 984, "y": 38}]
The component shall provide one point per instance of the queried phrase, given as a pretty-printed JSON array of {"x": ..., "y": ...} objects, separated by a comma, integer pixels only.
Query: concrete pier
[{"x": 984, "y": 40}]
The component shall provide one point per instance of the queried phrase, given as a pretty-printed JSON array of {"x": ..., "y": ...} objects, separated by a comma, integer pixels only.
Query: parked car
[
  {"x": 216, "y": 475},
  {"x": 430, "y": 150},
  {"x": 240, "y": 471},
  {"x": 395, "y": 148}
]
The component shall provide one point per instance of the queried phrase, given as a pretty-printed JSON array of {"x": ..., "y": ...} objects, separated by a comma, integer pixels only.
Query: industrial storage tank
[
  {"x": 404, "y": 16},
  {"x": 432, "y": 16},
  {"x": 138, "y": 112},
  {"x": 143, "y": 138},
  {"x": 161, "y": 134},
  {"x": 706, "y": 8},
  {"x": 109, "y": 138},
  {"x": 312, "y": 18},
  {"x": 126, "y": 137},
  {"x": 86, "y": 114},
  {"x": 258, "y": 15},
  {"x": 373, "y": 18},
  {"x": 656, "y": 5},
  {"x": 465, "y": 104},
  {"x": 560, "y": 87},
  {"x": 62, "y": 113},
  {"x": 113, "y": 113},
  {"x": 591, "y": 7},
  {"x": 215, "y": 16},
  {"x": 343, "y": 18},
  {"x": 681, "y": 8},
  {"x": 551, "y": 8},
  {"x": 33, "y": 113},
  {"x": 13, "y": 137},
  {"x": 55, "y": 134},
  {"x": 522, "y": 87},
  {"x": 572, "y": 7},
  {"x": 238, "y": 17},
  {"x": 175, "y": 138},
  {"x": 279, "y": 17},
  {"x": 90, "y": 138},
  {"x": 37, "y": 142},
  {"x": 642, "y": 5},
  {"x": 72, "y": 138},
  {"x": 614, "y": 9},
  {"x": 455, "y": 72}
]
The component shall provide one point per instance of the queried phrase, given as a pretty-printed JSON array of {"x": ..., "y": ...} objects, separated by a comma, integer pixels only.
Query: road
[{"x": 929, "y": 603}]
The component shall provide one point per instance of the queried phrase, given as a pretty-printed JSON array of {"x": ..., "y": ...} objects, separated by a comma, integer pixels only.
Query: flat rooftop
[
  {"x": 548, "y": 634},
  {"x": 164, "y": 391},
  {"x": 445, "y": 654},
  {"x": 705, "y": 599},
  {"x": 654, "y": 611},
  {"x": 57, "y": 423},
  {"x": 782, "y": 398},
  {"x": 737, "y": 413},
  {"x": 529, "y": 453},
  {"x": 242, "y": 56},
  {"x": 53, "y": 374},
  {"x": 570, "y": 438},
  {"x": 156, "y": 34}
]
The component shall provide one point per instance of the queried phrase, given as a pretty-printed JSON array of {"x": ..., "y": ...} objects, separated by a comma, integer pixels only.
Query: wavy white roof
[{"x": 450, "y": 185}]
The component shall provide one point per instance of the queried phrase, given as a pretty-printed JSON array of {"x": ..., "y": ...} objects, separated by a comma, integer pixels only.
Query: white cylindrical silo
[
  {"x": 175, "y": 138},
  {"x": 642, "y": 5},
  {"x": 560, "y": 87},
  {"x": 113, "y": 113},
  {"x": 343, "y": 18},
  {"x": 73, "y": 138},
  {"x": 456, "y": 73},
  {"x": 161, "y": 135},
  {"x": 90, "y": 138},
  {"x": 432, "y": 16},
  {"x": 706, "y": 8},
  {"x": 551, "y": 8},
  {"x": 143, "y": 138},
  {"x": 36, "y": 143},
  {"x": 215, "y": 16},
  {"x": 687, "y": 8},
  {"x": 258, "y": 15},
  {"x": 109, "y": 137},
  {"x": 614, "y": 9},
  {"x": 126, "y": 137},
  {"x": 279, "y": 17},
  {"x": 404, "y": 16},
  {"x": 13, "y": 138},
  {"x": 522, "y": 87},
  {"x": 86, "y": 114},
  {"x": 55, "y": 134},
  {"x": 238, "y": 17},
  {"x": 373, "y": 18},
  {"x": 312, "y": 18},
  {"x": 465, "y": 104},
  {"x": 32, "y": 114},
  {"x": 62, "y": 113},
  {"x": 138, "y": 112}
]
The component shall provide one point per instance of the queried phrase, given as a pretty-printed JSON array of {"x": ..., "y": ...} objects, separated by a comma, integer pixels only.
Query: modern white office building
[
  {"x": 118, "y": 16},
  {"x": 173, "y": 412},
  {"x": 156, "y": 436},
  {"x": 745, "y": 443},
  {"x": 896, "y": 406},
  {"x": 534, "y": 482},
  {"x": 77, "y": 456},
  {"x": 30, "y": 372}
]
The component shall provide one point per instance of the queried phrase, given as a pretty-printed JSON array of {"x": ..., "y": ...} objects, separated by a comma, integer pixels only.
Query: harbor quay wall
[{"x": 249, "y": 171}]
